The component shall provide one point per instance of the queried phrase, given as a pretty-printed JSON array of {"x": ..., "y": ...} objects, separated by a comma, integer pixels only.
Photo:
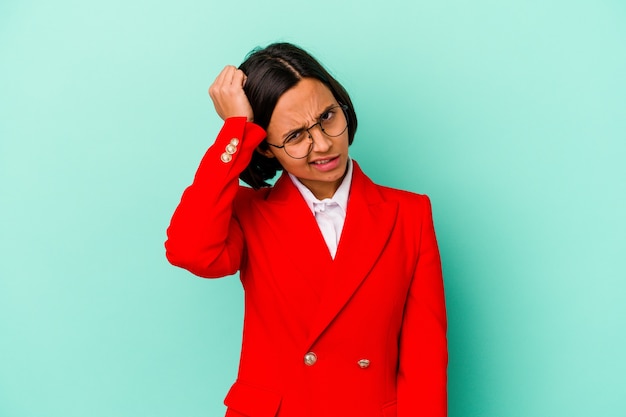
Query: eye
[
  {"x": 327, "y": 115},
  {"x": 294, "y": 137}
]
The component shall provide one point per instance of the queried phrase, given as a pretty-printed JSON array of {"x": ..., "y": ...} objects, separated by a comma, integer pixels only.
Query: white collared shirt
[{"x": 330, "y": 213}]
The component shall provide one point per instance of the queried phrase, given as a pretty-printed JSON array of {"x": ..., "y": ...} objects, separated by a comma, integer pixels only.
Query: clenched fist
[{"x": 228, "y": 96}]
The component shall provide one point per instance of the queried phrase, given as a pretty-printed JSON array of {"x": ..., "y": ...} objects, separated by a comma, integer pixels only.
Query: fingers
[
  {"x": 222, "y": 82},
  {"x": 239, "y": 78},
  {"x": 230, "y": 75},
  {"x": 223, "y": 78},
  {"x": 227, "y": 94}
]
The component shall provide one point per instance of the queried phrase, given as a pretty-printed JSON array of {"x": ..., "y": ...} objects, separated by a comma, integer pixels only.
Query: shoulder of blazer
[
  {"x": 412, "y": 205},
  {"x": 386, "y": 193},
  {"x": 403, "y": 195}
]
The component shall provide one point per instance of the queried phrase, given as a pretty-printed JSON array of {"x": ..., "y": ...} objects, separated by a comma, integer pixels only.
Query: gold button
[
  {"x": 234, "y": 141},
  {"x": 364, "y": 363},
  {"x": 310, "y": 359},
  {"x": 231, "y": 149},
  {"x": 226, "y": 158}
]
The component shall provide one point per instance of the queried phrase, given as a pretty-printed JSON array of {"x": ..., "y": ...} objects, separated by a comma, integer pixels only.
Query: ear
[{"x": 265, "y": 152}]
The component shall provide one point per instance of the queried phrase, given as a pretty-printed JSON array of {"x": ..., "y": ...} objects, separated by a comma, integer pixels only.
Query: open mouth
[
  {"x": 326, "y": 163},
  {"x": 322, "y": 161}
]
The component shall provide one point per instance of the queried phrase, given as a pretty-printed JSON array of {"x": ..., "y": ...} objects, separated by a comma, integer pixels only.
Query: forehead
[{"x": 300, "y": 104}]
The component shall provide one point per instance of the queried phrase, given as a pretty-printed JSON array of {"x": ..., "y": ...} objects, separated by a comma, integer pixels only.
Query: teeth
[{"x": 321, "y": 162}]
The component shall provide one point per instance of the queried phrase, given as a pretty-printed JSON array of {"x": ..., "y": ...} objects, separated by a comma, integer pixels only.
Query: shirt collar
[{"x": 340, "y": 197}]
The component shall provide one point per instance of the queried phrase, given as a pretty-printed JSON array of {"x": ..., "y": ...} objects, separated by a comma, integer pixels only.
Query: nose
[{"x": 321, "y": 142}]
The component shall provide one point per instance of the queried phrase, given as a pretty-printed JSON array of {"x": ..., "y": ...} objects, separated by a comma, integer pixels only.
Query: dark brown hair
[{"x": 271, "y": 71}]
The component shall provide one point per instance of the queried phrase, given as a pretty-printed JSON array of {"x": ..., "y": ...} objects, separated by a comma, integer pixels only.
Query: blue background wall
[{"x": 510, "y": 115}]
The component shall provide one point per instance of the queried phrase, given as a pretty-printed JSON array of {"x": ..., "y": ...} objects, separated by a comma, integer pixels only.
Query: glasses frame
[{"x": 343, "y": 107}]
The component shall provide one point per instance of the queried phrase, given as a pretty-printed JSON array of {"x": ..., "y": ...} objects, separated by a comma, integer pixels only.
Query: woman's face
[{"x": 298, "y": 108}]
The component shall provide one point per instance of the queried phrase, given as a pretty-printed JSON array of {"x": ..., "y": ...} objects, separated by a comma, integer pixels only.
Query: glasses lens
[
  {"x": 300, "y": 148},
  {"x": 334, "y": 122}
]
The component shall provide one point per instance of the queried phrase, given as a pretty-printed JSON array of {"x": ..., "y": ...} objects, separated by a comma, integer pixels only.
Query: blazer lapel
[
  {"x": 367, "y": 228},
  {"x": 294, "y": 226}
]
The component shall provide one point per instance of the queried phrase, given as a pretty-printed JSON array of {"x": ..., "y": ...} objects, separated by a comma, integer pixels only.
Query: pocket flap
[{"x": 252, "y": 401}]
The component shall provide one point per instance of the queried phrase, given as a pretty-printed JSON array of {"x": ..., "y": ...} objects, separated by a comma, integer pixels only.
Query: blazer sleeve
[
  {"x": 422, "y": 373},
  {"x": 204, "y": 236}
]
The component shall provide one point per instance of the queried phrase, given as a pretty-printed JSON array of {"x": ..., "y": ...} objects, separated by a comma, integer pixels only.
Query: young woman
[{"x": 344, "y": 301}]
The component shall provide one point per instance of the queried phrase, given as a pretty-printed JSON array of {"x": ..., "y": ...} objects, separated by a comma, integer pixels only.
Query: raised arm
[{"x": 204, "y": 236}]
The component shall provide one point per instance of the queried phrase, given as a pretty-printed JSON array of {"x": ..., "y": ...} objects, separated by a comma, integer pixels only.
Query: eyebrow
[{"x": 290, "y": 132}]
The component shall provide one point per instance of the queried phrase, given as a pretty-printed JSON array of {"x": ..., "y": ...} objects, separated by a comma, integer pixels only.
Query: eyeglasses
[{"x": 333, "y": 122}]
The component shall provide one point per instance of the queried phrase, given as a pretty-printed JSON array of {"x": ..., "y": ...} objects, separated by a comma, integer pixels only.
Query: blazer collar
[
  {"x": 292, "y": 222},
  {"x": 368, "y": 225}
]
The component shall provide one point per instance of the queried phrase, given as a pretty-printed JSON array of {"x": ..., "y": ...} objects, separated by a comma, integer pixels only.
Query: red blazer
[{"x": 363, "y": 335}]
